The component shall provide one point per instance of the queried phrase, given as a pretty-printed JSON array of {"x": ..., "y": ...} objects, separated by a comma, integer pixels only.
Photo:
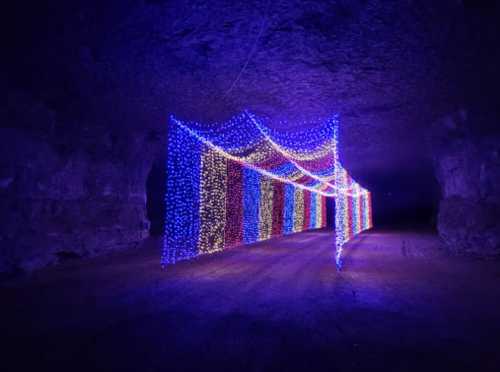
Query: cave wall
[
  {"x": 468, "y": 169},
  {"x": 67, "y": 195},
  {"x": 465, "y": 142}
]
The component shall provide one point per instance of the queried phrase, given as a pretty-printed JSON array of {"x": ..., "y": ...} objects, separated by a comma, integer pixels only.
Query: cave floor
[{"x": 400, "y": 304}]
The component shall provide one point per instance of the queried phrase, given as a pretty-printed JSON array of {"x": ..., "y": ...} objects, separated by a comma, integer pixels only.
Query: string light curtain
[{"x": 240, "y": 182}]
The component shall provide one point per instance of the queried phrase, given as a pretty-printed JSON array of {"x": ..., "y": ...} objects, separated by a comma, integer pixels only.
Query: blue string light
[
  {"x": 251, "y": 201},
  {"x": 182, "y": 191},
  {"x": 306, "y": 161},
  {"x": 312, "y": 223},
  {"x": 288, "y": 212}
]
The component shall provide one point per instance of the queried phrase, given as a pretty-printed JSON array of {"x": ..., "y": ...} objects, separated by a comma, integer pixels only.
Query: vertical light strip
[
  {"x": 182, "y": 197},
  {"x": 251, "y": 202},
  {"x": 288, "y": 219},
  {"x": 314, "y": 215},
  {"x": 362, "y": 210},
  {"x": 356, "y": 217},
  {"x": 349, "y": 218},
  {"x": 307, "y": 210},
  {"x": 319, "y": 211},
  {"x": 266, "y": 208},
  {"x": 369, "y": 206},
  {"x": 298, "y": 210},
  {"x": 324, "y": 217},
  {"x": 212, "y": 202},
  {"x": 366, "y": 224},
  {"x": 234, "y": 204},
  {"x": 278, "y": 207}
]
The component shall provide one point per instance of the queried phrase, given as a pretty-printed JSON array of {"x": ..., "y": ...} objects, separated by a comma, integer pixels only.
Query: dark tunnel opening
[
  {"x": 405, "y": 199},
  {"x": 330, "y": 213},
  {"x": 155, "y": 198}
]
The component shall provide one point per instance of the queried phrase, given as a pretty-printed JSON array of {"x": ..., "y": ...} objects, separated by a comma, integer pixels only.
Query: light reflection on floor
[{"x": 400, "y": 304}]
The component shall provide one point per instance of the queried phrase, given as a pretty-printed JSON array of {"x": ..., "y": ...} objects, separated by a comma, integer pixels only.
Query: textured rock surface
[
  {"x": 69, "y": 195},
  {"x": 91, "y": 85},
  {"x": 468, "y": 170}
]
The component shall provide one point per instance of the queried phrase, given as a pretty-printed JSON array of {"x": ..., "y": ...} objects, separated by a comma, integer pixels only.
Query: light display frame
[{"x": 240, "y": 182}]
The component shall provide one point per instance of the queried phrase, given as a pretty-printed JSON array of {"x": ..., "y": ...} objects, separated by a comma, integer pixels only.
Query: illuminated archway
[{"x": 240, "y": 182}]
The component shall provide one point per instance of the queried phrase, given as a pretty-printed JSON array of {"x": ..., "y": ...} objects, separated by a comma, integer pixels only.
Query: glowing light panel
[{"x": 242, "y": 182}]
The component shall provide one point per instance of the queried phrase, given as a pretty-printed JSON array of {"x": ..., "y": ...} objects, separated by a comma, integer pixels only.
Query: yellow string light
[
  {"x": 298, "y": 210},
  {"x": 266, "y": 208},
  {"x": 213, "y": 183},
  {"x": 319, "y": 210}
]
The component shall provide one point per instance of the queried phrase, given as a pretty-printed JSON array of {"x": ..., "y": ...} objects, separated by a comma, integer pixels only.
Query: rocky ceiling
[{"x": 379, "y": 64}]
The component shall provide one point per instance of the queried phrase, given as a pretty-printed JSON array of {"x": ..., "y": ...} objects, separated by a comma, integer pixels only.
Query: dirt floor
[{"x": 400, "y": 304}]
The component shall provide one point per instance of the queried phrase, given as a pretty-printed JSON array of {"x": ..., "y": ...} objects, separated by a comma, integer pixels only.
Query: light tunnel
[{"x": 241, "y": 182}]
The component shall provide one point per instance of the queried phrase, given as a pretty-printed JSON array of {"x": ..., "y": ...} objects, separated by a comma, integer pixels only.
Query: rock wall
[
  {"x": 468, "y": 170},
  {"x": 68, "y": 194}
]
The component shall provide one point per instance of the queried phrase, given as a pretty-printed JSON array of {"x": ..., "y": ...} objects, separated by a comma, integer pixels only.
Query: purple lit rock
[
  {"x": 468, "y": 168},
  {"x": 68, "y": 195}
]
